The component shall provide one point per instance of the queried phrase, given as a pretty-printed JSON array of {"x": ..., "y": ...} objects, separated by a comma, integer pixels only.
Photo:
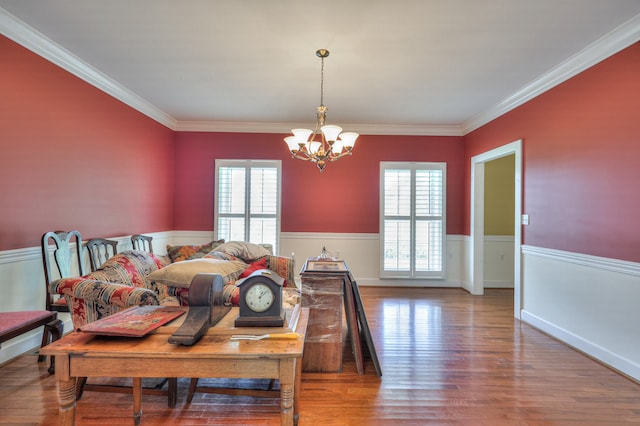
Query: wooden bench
[{"x": 14, "y": 324}]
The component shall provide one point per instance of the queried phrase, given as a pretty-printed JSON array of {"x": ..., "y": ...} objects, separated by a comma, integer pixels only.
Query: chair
[
  {"x": 14, "y": 324},
  {"x": 100, "y": 250},
  {"x": 63, "y": 259},
  {"x": 142, "y": 242}
]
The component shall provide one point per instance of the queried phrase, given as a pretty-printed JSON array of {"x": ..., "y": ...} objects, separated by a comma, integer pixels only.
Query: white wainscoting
[
  {"x": 588, "y": 302},
  {"x": 498, "y": 261},
  {"x": 361, "y": 253}
]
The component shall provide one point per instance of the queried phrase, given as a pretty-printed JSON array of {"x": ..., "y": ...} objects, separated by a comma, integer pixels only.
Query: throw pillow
[
  {"x": 244, "y": 250},
  {"x": 188, "y": 252},
  {"x": 180, "y": 274},
  {"x": 255, "y": 266}
]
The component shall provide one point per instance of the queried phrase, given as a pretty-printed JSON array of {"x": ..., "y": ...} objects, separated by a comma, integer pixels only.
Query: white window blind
[
  {"x": 412, "y": 220},
  {"x": 247, "y": 201}
]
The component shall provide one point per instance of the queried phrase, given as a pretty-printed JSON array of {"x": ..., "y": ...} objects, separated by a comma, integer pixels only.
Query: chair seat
[{"x": 13, "y": 324}]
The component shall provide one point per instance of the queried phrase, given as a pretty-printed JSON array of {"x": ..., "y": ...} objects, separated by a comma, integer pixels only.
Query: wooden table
[{"x": 215, "y": 355}]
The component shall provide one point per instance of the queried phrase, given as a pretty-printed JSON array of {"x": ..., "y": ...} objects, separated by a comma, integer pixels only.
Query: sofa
[{"x": 133, "y": 278}]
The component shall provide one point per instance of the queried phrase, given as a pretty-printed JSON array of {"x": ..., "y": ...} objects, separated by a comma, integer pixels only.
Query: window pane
[
  {"x": 264, "y": 190},
  {"x": 397, "y": 245},
  {"x": 231, "y": 190},
  {"x": 231, "y": 228},
  {"x": 429, "y": 192},
  {"x": 397, "y": 192},
  {"x": 428, "y": 245},
  {"x": 263, "y": 231}
]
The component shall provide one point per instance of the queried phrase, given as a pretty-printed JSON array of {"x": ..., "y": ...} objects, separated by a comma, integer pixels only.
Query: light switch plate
[{"x": 525, "y": 219}]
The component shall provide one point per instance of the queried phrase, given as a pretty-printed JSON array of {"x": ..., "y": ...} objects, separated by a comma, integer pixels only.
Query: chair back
[
  {"x": 100, "y": 250},
  {"x": 63, "y": 258},
  {"x": 142, "y": 242}
]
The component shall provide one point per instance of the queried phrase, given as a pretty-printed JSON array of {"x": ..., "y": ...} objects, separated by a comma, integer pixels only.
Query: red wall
[
  {"x": 343, "y": 199},
  {"x": 73, "y": 157},
  {"x": 581, "y": 155}
]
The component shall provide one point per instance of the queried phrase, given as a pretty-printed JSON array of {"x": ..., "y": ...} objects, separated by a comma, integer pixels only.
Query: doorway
[{"x": 476, "y": 258}]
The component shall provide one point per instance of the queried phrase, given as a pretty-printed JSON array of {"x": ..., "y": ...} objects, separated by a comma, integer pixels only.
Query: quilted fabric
[
  {"x": 123, "y": 282},
  {"x": 282, "y": 266},
  {"x": 91, "y": 300},
  {"x": 129, "y": 267},
  {"x": 118, "y": 284},
  {"x": 189, "y": 252}
]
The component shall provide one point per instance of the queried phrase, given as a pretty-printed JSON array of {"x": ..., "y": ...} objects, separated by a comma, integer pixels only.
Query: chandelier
[{"x": 331, "y": 144}]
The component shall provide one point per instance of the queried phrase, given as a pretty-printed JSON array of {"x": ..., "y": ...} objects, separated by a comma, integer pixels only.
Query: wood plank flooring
[{"x": 447, "y": 358}]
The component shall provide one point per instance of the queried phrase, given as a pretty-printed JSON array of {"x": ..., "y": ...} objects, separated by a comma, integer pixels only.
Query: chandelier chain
[{"x": 322, "y": 82}]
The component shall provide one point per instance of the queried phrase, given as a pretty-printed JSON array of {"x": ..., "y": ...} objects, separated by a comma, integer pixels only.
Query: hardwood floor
[{"x": 447, "y": 358}]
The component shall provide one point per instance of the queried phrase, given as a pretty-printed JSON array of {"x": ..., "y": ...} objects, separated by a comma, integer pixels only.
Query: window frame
[
  {"x": 248, "y": 165},
  {"x": 412, "y": 273}
]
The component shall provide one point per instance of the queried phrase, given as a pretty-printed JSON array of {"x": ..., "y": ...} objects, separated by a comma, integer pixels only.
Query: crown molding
[
  {"x": 41, "y": 45},
  {"x": 620, "y": 38},
  {"x": 283, "y": 128}
]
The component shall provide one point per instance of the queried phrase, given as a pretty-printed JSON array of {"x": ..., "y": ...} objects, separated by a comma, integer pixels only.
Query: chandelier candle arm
[{"x": 332, "y": 143}]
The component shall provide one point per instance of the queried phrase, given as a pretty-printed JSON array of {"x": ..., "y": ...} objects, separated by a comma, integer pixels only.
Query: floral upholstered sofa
[{"x": 134, "y": 278}]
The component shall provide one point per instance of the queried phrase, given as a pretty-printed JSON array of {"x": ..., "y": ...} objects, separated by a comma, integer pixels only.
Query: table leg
[
  {"x": 296, "y": 391},
  {"x": 137, "y": 400},
  {"x": 287, "y": 391},
  {"x": 66, "y": 391}
]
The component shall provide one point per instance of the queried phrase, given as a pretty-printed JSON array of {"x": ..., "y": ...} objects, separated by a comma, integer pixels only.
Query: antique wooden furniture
[
  {"x": 14, "y": 324},
  {"x": 64, "y": 259},
  {"x": 142, "y": 242},
  {"x": 100, "y": 250},
  {"x": 215, "y": 355}
]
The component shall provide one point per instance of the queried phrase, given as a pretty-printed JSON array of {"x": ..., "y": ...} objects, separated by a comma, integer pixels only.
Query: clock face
[{"x": 259, "y": 297}]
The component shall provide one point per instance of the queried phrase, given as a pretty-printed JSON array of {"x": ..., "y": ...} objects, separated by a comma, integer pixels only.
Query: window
[
  {"x": 412, "y": 220},
  {"x": 247, "y": 201}
]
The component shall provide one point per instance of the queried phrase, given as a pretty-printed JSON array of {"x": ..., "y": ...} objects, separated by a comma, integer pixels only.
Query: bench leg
[
  {"x": 172, "y": 392},
  {"x": 192, "y": 389}
]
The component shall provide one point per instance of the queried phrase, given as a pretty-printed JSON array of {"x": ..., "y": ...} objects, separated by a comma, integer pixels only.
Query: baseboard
[
  {"x": 620, "y": 364},
  {"x": 498, "y": 284},
  {"x": 417, "y": 283}
]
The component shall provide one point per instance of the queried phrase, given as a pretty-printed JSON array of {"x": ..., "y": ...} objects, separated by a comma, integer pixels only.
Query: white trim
[
  {"x": 476, "y": 257},
  {"x": 596, "y": 262},
  {"x": 283, "y": 128},
  {"x": 620, "y": 38},
  {"x": 412, "y": 283},
  {"x": 603, "y": 355},
  {"x": 20, "y": 255}
]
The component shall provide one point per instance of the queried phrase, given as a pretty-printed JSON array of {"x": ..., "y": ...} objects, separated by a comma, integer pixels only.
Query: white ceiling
[{"x": 398, "y": 67}]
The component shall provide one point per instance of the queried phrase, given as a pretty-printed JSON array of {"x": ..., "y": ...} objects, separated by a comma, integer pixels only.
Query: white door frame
[{"x": 476, "y": 258}]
